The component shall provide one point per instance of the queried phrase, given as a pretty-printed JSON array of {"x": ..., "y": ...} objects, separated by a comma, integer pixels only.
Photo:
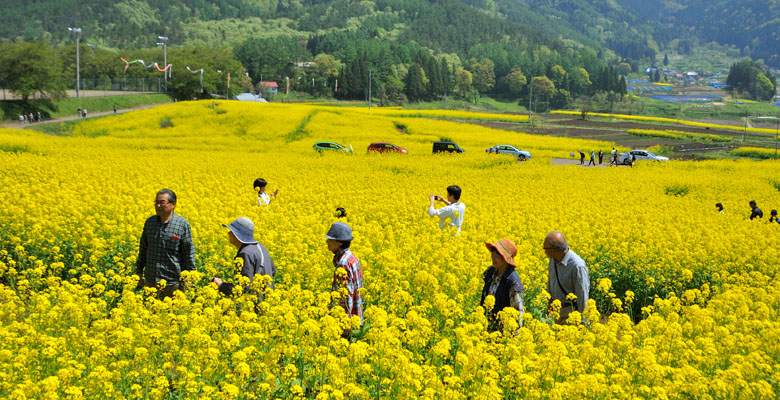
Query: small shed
[{"x": 270, "y": 87}]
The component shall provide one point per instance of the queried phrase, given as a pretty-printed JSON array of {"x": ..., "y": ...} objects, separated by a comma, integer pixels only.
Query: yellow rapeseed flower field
[
  {"x": 679, "y": 135},
  {"x": 684, "y": 299},
  {"x": 669, "y": 120}
]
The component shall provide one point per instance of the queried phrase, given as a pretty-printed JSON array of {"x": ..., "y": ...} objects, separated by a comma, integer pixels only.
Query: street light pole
[
  {"x": 163, "y": 41},
  {"x": 77, "y": 31}
]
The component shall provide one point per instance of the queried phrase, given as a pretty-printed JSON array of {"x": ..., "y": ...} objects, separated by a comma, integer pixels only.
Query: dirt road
[
  {"x": 576, "y": 161},
  {"x": 17, "y": 125}
]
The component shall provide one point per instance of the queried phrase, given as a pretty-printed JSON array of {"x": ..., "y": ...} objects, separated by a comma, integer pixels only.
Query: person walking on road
[
  {"x": 592, "y": 159},
  {"x": 601, "y": 156},
  {"x": 613, "y": 161},
  {"x": 582, "y": 157}
]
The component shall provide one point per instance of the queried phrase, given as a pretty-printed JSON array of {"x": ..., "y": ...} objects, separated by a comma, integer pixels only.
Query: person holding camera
[
  {"x": 263, "y": 198},
  {"x": 453, "y": 209}
]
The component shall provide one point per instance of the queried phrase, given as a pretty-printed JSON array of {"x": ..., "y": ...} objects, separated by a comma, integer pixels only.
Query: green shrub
[{"x": 677, "y": 190}]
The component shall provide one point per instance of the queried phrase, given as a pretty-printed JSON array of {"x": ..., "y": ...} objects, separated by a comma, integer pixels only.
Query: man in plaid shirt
[
  {"x": 166, "y": 246},
  {"x": 348, "y": 274}
]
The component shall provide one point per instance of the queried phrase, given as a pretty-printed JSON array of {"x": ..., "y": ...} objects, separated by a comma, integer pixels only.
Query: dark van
[{"x": 449, "y": 147}]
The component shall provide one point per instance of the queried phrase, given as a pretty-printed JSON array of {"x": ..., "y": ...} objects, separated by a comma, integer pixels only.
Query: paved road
[
  {"x": 576, "y": 161},
  {"x": 7, "y": 95},
  {"x": 73, "y": 117}
]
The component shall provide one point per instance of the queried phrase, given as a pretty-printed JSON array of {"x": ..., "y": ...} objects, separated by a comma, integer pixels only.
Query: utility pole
[
  {"x": 369, "y": 90},
  {"x": 530, "y": 99},
  {"x": 77, "y": 31},
  {"x": 163, "y": 41}
]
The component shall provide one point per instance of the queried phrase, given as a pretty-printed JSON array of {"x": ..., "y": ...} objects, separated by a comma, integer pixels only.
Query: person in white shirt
[
  {"x": 263, "y": 198},
  {"x": 453, "y": 210}
]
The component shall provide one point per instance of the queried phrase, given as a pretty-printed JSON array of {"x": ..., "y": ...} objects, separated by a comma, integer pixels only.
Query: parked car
[
  {"x": 449, "y": 147},
  {"x": 320, "y": 146},
  {"x": 623, "y": 158},
  {"x": 385, "y": 148},
  {"x": 507, "y": 149}
]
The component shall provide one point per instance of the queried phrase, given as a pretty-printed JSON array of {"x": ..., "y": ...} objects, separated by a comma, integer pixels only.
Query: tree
[
  {"x": 326, "y": 66},
  {"x": 666, "y": 60},
  {"x": 579, "y": 80},
  {"x": 463, "y": 79},
  {"x": 393, "y": 88},
  {"x": 516, "y": 81},
  {"x": 748, "y": 77},
  {"x": 764, "y": 89},
  {"x": 543, "y": 87},
  {"x": 483, "y": 75},
  {"x": 557, "y": 75},
  {"x": 559, "y": 98},
  {"x": 624, "y": 68},
  {"x": 29, "y": 68},
  {"x": 416, "y": 83}
]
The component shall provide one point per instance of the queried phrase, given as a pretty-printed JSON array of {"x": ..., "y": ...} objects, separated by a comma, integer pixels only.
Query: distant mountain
[
  {"x": 444, "y": 25},
  {"x": 753, "y": 26},
  {"x": 635, "y": 29}
]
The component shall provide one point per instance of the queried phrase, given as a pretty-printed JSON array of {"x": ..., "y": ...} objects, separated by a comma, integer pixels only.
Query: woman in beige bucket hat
[{"x": 502, "y": 282}]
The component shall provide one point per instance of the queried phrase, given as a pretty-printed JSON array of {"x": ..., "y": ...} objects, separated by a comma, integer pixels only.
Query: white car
[
  {"x": 522, "y": 155},
  {"x": 623, "y": 158}
]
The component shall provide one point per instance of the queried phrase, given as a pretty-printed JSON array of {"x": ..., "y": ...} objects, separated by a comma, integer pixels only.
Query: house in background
[{"x": 268, "y": 88}]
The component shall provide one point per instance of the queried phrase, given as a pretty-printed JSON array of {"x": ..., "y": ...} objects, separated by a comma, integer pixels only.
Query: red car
[{"x": 386, "y": 148}]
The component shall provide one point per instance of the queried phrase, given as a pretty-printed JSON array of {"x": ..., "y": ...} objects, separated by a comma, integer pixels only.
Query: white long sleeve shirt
[{"x": 453, "y": 212}]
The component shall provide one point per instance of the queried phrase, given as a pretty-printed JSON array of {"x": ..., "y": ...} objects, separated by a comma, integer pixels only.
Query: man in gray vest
[
  {"x": 567, "y": 274},
  {"x": 252, "y": 256}
]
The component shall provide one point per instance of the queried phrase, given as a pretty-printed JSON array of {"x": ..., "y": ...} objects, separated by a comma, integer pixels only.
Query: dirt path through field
[{"x": 17, "y": 125}]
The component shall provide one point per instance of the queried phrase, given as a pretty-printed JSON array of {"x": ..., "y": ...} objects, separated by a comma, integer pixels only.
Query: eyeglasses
[
  {"x": 161, "y": 202},
  {"x": 548, "y": 248}
]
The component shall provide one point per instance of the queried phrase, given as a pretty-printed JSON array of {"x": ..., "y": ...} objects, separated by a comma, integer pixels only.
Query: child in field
[{"x": 263, "y": 198}]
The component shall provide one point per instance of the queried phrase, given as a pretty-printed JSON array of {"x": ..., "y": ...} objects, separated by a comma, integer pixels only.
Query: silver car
[
  {"x": 624, "y": 158},
  {"x": 522, "y": 155}
]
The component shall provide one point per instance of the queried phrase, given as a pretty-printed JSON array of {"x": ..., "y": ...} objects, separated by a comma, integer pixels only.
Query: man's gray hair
[
  {"x": 169, "y": 192},
  {"x": 559, "y": 245}
]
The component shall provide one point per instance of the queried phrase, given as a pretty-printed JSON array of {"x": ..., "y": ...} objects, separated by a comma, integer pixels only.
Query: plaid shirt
[
  {"x": 165, "y": 250},
  {"x": 352, "y": 281}
]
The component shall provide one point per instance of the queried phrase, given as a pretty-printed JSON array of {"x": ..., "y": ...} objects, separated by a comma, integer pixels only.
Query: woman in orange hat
[{"x": 502, "y": 282}]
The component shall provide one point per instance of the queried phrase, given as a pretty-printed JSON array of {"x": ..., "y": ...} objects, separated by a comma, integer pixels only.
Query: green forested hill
[
  {"x": 559, "y": 50},
  {"x": 753, "y": 26},
  {"x": 633, "y": 29},
  {"x": 443, "y": 25}
]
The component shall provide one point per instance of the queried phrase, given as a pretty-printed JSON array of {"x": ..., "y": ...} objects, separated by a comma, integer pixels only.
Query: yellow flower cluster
[
  {"x": 684, "y": 300},
  {"x": 668, "y": 120},
  {"x": 758, "y": 152},
  {"x": 679, "y": 135}
]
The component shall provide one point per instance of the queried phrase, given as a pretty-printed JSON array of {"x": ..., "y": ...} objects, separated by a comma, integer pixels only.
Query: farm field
[{"x": 684, "y": 299}]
